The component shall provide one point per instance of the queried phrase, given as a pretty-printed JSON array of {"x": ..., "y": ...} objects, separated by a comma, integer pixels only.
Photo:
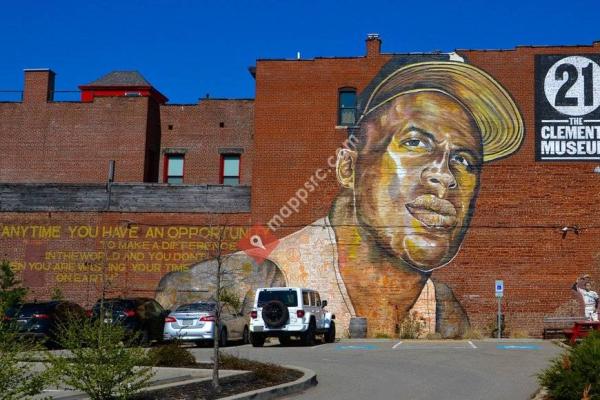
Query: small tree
[
  {"x": 17, "y": 379},
  {"x": 11, "y": 291},
  {"x": 220, "y": 271},
  {"x": 102, "y": 363}
]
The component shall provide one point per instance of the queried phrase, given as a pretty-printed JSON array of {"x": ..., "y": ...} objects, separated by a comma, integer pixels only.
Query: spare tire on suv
[{"x": 275, "y": 314}]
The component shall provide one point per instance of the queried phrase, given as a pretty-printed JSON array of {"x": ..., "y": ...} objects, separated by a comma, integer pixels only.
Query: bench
[
  {"x": 554, "y": 327},
  {"x": 580, "y": 330}
]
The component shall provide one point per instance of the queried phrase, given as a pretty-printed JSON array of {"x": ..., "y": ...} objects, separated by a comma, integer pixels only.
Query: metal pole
[{"x": 499, "y": 317}]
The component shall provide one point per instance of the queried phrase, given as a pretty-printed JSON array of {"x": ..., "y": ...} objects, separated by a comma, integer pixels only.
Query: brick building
[{"x": 267, "y": 162}]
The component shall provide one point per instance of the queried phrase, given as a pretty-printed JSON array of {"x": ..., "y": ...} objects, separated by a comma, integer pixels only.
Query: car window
[
  {"x": 156, "y": 308},
  {"x": 305, "y": 298},
  {"x": 287, "y": 297},
  {"x": 318, "y": 298},
  {"x": 312, "y": 299},
  {"x": 27, "y": 310},
  {"x": 228, "y": 310},
  {"x": 195, "y": 307}
]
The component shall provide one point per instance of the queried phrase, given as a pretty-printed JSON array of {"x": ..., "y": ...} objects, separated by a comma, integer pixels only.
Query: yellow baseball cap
[{"x": 493, "y": 109}]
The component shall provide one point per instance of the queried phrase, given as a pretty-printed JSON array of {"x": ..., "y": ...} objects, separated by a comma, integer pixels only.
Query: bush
[
  {"x": 473, "y": 334},
  {"x": 575, "y": 372},
  {"x": 11, "y": 292},
  {"x": 17, "y": 379},
  {"x": 411, "y": 327},
  {"x": 433, "y": 336},
  {"x": 171, "y": 355},
  {"x": 101, "y": 364}
]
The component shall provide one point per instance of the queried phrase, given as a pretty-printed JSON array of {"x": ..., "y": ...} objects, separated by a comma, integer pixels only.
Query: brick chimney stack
[
  {"x": 373, "y": 45},
  {"x": 39, "y": 85}
]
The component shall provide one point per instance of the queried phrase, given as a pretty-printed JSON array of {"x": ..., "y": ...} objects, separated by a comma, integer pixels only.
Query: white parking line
[
  {"x": 396, "y": 345},
  {"x": 472, "y": 345}
]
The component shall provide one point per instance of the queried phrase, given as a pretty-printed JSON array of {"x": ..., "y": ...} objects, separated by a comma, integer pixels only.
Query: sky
[{"x": 188, "y": 49}]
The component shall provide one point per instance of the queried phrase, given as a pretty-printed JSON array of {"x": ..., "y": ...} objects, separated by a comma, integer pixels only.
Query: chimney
[
  {"x": 39, "y": 85},
  {"x": 373, "y": 45}
]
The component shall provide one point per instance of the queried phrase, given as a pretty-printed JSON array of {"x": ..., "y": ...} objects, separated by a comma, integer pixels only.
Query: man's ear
[{"x": 346, "y": 162}]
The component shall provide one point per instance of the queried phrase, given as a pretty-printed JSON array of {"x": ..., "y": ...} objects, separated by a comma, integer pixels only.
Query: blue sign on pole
[{"x": 499, "y": 288}]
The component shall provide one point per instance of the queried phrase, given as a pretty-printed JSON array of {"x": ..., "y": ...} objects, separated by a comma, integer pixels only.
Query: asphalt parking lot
[{"x": 419, "y": 370}]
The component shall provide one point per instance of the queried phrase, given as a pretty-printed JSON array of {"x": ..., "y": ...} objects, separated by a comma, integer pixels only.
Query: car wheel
[
  {"x": 223, "y": 338},
  {"x": 275, "y": 314},
  {"x": 246, "y": 336},
  {"x": 257, "y": 340},
  {"x": 330, "y": 335},
  {"x": 308, "y": 337}
]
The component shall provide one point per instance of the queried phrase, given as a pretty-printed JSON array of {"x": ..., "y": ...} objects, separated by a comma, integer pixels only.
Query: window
[
  {"x": 173, "y": 168},
  {"x": 347, "y": 107},
  {"x": 230, "y": 169},
  {"x": 287, "y": 297},
  {"x": 305, "y": 300}
]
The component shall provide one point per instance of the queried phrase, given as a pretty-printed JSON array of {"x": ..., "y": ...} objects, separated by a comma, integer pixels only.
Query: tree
[
  {"x": 18, "y": 380},
  {"x": 11, "y": 291},
  {"x": 219, "y": 275}
]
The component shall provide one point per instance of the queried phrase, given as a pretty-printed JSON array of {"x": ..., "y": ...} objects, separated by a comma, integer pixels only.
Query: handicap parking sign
[{"x": 499, "y": 288}]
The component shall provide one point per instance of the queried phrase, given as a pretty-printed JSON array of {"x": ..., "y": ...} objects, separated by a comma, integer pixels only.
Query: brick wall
[
  {"x": 204, "y": 130},
  {"x": 73, "y": 142},
  {"x": 77, "y": 251},
  {"x": 522, "y": 205}
]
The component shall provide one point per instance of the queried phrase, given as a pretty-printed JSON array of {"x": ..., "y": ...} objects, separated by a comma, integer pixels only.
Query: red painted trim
[
  {"x": 165, "y": 168},
  {"x": 240, "y": 169},
  {"x": 88, "y": 93},
  {"x": 222, "y": 168}
]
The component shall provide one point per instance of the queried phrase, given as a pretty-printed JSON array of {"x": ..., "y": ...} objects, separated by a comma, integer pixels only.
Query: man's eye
[
  {"x": 416, "y": 143},
  {"x": 463, "y": 161}
]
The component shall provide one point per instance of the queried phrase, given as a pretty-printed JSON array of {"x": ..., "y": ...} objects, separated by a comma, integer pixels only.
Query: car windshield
[
  {"x": 287, "y": 297},
  {"x": 115, "y": 305},
  {"x": 27, "y": 310},
  {"x": 196, "y": 307}
]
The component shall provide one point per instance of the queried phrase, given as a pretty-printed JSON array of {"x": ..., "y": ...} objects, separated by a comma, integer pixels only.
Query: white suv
[{"x": 285, "y": 312}]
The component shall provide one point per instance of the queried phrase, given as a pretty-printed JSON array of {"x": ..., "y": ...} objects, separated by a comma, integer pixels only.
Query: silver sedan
[{"x": 196, "y": 322}]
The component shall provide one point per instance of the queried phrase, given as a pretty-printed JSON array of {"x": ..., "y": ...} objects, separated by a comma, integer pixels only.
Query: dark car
[
  {"x": 41, "y": 321},
  {"x": 141, "y": 316}
]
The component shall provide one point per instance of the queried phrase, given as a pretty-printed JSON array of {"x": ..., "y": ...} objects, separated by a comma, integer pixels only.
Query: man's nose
[{"x": 439, "y": 177}]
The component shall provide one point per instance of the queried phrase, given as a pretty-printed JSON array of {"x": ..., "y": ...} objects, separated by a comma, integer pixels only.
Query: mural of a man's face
[{"x": 417, "y": 175}]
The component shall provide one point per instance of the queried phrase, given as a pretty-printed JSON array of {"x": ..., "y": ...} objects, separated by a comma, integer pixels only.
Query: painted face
[{"x": 417, "y": 177}]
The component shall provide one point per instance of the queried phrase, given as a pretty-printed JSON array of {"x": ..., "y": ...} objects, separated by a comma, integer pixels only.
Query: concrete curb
[
  {"x": 561, "y": 344},
  {"x": 306, "y": 381}
]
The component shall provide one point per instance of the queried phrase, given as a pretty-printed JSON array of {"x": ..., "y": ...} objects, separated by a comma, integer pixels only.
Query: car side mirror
[{"x": 324, "y": 303}]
